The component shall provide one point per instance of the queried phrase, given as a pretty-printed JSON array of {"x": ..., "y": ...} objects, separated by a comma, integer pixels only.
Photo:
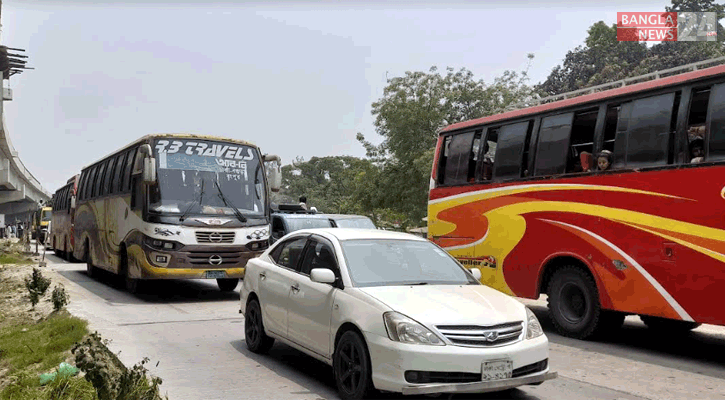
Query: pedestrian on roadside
[{"x": 303, "y": 202}]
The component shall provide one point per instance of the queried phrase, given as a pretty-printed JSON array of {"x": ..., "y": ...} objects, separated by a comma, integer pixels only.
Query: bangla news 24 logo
[{"x": 667, "y": 26}]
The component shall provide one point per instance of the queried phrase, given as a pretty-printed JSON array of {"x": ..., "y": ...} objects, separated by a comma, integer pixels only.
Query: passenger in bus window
[
  {"x": 697, "y": 150},
  {"x": 604, "y": 160}
]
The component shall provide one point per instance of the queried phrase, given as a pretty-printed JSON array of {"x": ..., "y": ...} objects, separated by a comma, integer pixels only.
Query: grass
[
  {"x": 14, "y": 259},
  {"x": 38, "y": 349}
]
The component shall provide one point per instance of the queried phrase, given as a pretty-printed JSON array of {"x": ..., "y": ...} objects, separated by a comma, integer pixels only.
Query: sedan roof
[{"x": 351, "y": 233}]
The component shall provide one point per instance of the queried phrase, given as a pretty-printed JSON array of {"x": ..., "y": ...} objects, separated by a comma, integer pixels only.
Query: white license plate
[
  {"x": 496, "y": 370},
  {"x": 216, "y": 274}
]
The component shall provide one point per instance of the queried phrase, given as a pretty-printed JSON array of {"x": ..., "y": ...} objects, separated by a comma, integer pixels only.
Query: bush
[
  {"x": 37, "y": 285},
  {"x": 60, "y": 297},
  {"x": 112, "y": 380}
]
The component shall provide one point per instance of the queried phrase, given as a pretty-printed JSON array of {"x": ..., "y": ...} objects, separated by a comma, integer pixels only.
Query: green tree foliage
[
  {"x": 413, "y": 109},
  {"x": 604, "y": 59}
]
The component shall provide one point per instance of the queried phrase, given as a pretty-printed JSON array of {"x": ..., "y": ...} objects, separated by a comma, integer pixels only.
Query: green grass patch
[
  {"x": 14, "y": 259},
  {"x": 25, "y": 386},
  {"x": 38, "y": 349}
]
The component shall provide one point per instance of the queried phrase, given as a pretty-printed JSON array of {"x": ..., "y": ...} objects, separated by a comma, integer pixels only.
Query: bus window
[
  {"x": 716, "y": 143},
  {"x": 458, "y": 160},
  {"x": 644, "y": 140},
  {"x": 98, "y": 182},
  {"x": 127, "y": 172},
  {"x": 117, "y": 181},
  {"x": 444, "y": 159},
  {"x": 696, "y": 126},
  {"x": 510, "y": 148},
  {"x": 551, "y": 157},
  {"x": 473, "y": 159},
  {"x": 610, "y": 128},
  {"x": 489, "y": 153},
  {"x": 108, "y": 176},
  {"x": 582, "y": 138}
]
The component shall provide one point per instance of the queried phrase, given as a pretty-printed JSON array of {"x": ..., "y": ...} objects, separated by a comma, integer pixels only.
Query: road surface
[{"x": 196, "y": 335}]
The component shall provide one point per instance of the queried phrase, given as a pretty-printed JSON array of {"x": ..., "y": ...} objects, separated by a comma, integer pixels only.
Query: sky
[{"x": 296, "y": 78}]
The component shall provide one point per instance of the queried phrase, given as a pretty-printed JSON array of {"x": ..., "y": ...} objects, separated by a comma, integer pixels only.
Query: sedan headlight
[
  {"x": 404, "y": 330},
  {"x": 533, "y": 327}
]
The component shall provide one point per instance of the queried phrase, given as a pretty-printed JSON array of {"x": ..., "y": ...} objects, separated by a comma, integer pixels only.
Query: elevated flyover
[{"x": 20, "y": 192}]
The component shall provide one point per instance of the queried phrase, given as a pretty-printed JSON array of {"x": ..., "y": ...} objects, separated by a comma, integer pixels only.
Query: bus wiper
[
  {"x": 229, "y": 204},
  {"x": 201, "y": 194}
]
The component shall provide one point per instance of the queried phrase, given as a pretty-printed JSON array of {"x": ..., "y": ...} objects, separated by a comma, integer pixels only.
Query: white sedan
[{"x": 390, "y": 311}]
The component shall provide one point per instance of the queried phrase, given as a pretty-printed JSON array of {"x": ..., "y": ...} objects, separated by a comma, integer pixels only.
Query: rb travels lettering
[{"x": 204, "y": 149}]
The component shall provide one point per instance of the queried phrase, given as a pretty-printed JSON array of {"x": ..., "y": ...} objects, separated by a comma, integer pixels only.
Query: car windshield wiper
[
  {"x": 416, "y": 283},
  {"x": 201, "y": 195},
  {"x": 229, "y": 204}
]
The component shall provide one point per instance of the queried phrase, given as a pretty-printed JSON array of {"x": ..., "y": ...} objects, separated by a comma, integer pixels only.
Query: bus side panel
[
  {"x": 662, "y": 231},
  {"x": 86, "y": 232}
]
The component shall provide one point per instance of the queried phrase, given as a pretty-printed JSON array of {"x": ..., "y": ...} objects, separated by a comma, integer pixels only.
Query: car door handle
[
  {"x": 262, "y": 275},
  {"x": 295, "y": 287}
]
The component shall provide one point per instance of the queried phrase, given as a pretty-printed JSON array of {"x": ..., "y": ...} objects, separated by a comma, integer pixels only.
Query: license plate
[
  {"x": 216, "y": 274},
  {"x": 497, "y": 369}
]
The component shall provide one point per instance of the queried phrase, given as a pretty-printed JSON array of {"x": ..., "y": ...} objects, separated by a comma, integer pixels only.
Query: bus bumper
[{"x": 190, "y": 263}]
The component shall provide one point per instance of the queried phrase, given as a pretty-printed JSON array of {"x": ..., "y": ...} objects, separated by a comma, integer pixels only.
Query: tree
[
  {"x": 605, "y": 59},
  {"x": 413, "y": 109}
]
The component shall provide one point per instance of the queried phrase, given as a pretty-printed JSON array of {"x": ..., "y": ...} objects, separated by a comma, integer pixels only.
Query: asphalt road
[{"x": 194, "y": 337}]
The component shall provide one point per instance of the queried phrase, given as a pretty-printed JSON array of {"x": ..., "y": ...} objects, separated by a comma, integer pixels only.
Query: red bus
[
  {"x": 610, "y": 202},
  {"x": 61, "y": 226}
]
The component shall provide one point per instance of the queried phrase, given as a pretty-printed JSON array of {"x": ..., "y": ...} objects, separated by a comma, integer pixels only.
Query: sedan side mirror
[
  {"x": 476, "y": 273},
  {"x": 322, "y": 275}
]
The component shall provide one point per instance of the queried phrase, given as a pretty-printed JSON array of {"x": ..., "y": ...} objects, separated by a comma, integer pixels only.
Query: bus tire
[
  {"x": 574, "y": 307},
  {"x": 90, "y": 269},
  {"x": 668, "y": 325},
  {"x": 132, "y": 285},
  {"x": 227, "y": 285}
]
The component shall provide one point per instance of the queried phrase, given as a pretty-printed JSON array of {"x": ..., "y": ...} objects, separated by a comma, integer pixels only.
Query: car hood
[{"x": 450, "y": 304}]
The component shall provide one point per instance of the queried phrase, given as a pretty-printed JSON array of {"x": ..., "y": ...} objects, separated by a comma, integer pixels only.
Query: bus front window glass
[{"x": 208, "y": 177}]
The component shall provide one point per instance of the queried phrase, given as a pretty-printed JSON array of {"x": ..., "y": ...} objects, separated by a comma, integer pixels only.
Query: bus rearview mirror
[{"x": 149, "y": 170}]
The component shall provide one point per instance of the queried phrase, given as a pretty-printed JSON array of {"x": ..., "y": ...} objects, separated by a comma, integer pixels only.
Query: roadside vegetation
[{"x": 37, "y": 335}]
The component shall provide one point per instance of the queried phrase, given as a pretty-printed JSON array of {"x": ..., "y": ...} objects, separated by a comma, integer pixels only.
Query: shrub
[
  {"x": 37, "y": 285},
  {"x": 60, "y": 297}
]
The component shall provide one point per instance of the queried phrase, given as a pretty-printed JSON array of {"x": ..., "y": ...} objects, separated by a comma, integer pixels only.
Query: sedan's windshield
[
  {"x": 231, "y": 176},
  {"x": 401, "y": 262},
  {"x": 361, "y": 223}
]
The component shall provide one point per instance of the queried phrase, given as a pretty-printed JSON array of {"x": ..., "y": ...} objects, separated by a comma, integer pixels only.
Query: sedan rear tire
[{"x": 257, "y": 341}]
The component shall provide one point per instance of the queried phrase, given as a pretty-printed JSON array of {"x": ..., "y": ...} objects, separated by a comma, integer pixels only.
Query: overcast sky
[{"x": 297, "y": 79}]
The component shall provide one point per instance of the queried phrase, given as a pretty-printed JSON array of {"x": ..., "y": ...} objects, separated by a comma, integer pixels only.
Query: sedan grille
[
  {"x": 214, "y": 237},
  {"x": 482, "y": 336}
]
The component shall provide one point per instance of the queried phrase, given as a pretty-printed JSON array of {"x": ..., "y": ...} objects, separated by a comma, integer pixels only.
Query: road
[{"x": 195, "y": 334}]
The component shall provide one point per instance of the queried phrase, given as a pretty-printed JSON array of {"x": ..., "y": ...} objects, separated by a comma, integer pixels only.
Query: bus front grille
[
  {"x": 214, "y": 237},
  {"x": 215, "y": 258}
]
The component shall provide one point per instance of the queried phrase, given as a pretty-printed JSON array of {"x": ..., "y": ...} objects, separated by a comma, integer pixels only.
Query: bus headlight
[{"x": 161, "y": 244}]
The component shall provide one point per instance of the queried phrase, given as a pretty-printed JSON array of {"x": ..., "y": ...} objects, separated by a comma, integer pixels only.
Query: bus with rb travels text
[
  {"x": 171, "y": 206},
  {"x": 61, "y": 234},
  {"x": 608, "y": 200}
]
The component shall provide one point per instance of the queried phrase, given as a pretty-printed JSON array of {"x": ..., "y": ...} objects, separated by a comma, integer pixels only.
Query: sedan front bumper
[{"x": 478, "y": 387}]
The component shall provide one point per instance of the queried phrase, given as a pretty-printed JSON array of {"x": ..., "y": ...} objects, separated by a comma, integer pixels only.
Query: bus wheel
[
  {"x": 90, "y": 269},
  {"x": 668, "y": 325},
  {"x": 133, "y": 285},
  {"x": 574, "y": 307},
  {"x": 227, "y": 285}
]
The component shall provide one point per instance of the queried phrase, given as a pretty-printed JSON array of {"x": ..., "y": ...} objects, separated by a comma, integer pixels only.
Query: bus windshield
[
  {"x": 46, "y": 215},
  {"x": 208, "y": 177}
]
